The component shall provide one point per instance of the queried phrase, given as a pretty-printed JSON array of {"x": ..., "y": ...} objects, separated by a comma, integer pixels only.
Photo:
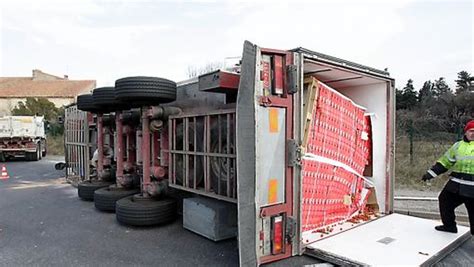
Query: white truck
[{"x": 22, "y": 136}]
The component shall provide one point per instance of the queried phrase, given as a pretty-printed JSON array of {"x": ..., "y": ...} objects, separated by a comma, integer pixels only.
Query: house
[{"x": 59, "y": 90}]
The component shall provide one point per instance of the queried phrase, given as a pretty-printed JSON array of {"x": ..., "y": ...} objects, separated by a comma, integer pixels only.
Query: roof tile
[{"x": 27, "y": 87}]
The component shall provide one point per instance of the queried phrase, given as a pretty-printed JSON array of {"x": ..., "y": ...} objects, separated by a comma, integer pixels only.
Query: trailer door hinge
[
  {"x": 290, "y": 230},
  {"x": 264, "y": 101},
  {"x": 294, "y": 153},
  {"x": 292, "y": 79}
]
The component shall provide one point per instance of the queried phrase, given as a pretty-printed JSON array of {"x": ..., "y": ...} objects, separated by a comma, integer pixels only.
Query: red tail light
[
  {"x": 278, "y": 75},
  {"x": 277, "y": 242}
]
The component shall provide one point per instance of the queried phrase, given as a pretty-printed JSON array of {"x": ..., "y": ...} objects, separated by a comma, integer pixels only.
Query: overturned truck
[{"x": 296, "y": 149}]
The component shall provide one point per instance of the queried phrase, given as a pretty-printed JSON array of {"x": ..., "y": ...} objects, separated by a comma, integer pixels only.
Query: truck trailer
[{"x": 292, "y": 153}]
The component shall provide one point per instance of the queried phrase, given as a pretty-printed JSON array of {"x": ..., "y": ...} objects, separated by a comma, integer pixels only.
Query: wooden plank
[{"x": 309, "y": 105}]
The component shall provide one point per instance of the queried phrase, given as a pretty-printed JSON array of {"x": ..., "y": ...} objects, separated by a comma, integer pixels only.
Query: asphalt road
[{"x": 43, "y": 223}]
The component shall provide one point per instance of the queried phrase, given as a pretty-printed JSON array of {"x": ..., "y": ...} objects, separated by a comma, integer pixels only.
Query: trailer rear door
[{"x": 393, "y": 239}]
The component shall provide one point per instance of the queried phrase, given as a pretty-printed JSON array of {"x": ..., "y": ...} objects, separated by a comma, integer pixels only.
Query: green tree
[
  {"x": 399, "y": 99},
  {"x": 41, "y": 107},
  {"x": 37, "y": 106},
  {"x": 441, "y": 88},
  {"x": 407, "y": 97},
  {"x": 462, "y": 110},
  {"x": 426, "y": 93},
  {"x": 410, "y": 95},
  {"x": 464, "y": 83}
]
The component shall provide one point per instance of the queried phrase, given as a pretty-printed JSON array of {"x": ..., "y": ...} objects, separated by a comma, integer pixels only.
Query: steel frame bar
[
  {"x": 100, "y": 143},
  {"x": 145, "y": 151},
  {"x": 218, "y": 151},
  {"x": 119, "y": 146}
]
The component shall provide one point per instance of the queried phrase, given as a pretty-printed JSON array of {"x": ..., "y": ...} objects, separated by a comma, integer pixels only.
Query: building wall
[
  {"x": 38, "y": 75},
  {"x": 7, "y": 104}
]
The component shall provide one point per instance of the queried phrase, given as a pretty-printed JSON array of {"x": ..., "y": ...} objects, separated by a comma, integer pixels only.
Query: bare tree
[{"x": 194, "y": 71}]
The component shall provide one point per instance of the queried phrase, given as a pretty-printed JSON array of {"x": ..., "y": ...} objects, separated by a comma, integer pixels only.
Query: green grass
[
  {"x": 55, "y": 145},
  {"x": 408, "y": 172}
]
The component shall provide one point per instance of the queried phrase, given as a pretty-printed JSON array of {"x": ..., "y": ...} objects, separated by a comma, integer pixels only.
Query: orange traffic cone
[{"x": 4, "y": 175}]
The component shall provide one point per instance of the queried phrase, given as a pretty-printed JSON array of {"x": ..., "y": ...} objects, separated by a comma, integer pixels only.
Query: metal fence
[
  {"x": 77, "y": 148},
  {"x": 203, "y": 154},
  {"x": 419, "y": 143}
]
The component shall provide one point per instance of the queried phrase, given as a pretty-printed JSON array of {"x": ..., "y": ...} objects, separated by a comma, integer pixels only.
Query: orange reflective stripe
[
  {"x": 273, "y": 117},
  {"x": 272, "y": 191}
]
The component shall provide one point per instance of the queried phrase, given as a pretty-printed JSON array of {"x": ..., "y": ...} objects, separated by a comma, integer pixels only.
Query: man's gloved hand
[{"x": 426, "y": 177}]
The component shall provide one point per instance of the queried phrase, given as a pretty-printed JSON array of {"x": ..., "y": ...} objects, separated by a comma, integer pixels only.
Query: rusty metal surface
[
  {"x": 119, "y": 146},
  {"x": 219, "y": 81},
  {"x": 202, "y": 153},
  {"x": 100, "y": 142},
  {"x": 146, "y": 150},
  {"x": 77, "y": 147}
]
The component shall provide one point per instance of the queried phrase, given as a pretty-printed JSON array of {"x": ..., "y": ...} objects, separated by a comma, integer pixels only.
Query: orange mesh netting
[{"x": 337, "y": 152}]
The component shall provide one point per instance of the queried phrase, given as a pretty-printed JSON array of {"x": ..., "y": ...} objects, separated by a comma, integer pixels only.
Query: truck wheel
[
  {"x": 2, "y": 157},
  {"x": 86, "y": 189},
  {"x": 86, "y": 103},
  {"x": 104, "y": 99},
  {"x": 32, "y": 156},
  {"x": 38, "y": 149},
  {"x": 105, "y": 198},
  {"x": 139, "y": 211},
  {"x": 44, "y": 152},
  {"x": 145, "y": 90}
]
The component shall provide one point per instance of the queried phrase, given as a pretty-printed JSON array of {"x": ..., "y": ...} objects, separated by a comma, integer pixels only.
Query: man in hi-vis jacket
[{"x": 460, "y": 187}]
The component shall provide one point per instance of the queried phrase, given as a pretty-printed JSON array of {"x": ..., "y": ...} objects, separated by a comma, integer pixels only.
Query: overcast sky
[{"x": 107, "y": 40}]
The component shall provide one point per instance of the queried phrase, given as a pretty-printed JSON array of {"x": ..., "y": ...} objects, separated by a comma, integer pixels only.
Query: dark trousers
[{"x": 448, "y": 202}]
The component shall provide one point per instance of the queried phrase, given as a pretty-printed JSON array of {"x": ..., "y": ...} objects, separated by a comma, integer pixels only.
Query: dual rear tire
[
  {"x": 86, "y": 189},
  {"x": 129, "y": 92},
  {"x": 139, "y": 211},
  {"x": 34, "y": 156},
  {"x": 105, "y": 198}
]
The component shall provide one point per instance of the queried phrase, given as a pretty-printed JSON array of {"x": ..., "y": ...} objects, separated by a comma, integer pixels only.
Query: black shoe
[{"x": 446, "y": 229}]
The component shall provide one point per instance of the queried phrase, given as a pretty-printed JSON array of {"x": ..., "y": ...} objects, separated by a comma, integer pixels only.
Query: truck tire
[
  {"x": 33, "y": 156},
  {"x": 104, "y": 100},
  {"x": 139, "y": 211},
  {"x": 86, "y": 189},
  {"x": 39, "y": 151},
  {"x": 86, "y": 103},
  {"x": 45, "y": 151},
  {"x": 105, "y": 198},
  {"x": 2, "y": 157},
  {"x": 145, "y": 90}
]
